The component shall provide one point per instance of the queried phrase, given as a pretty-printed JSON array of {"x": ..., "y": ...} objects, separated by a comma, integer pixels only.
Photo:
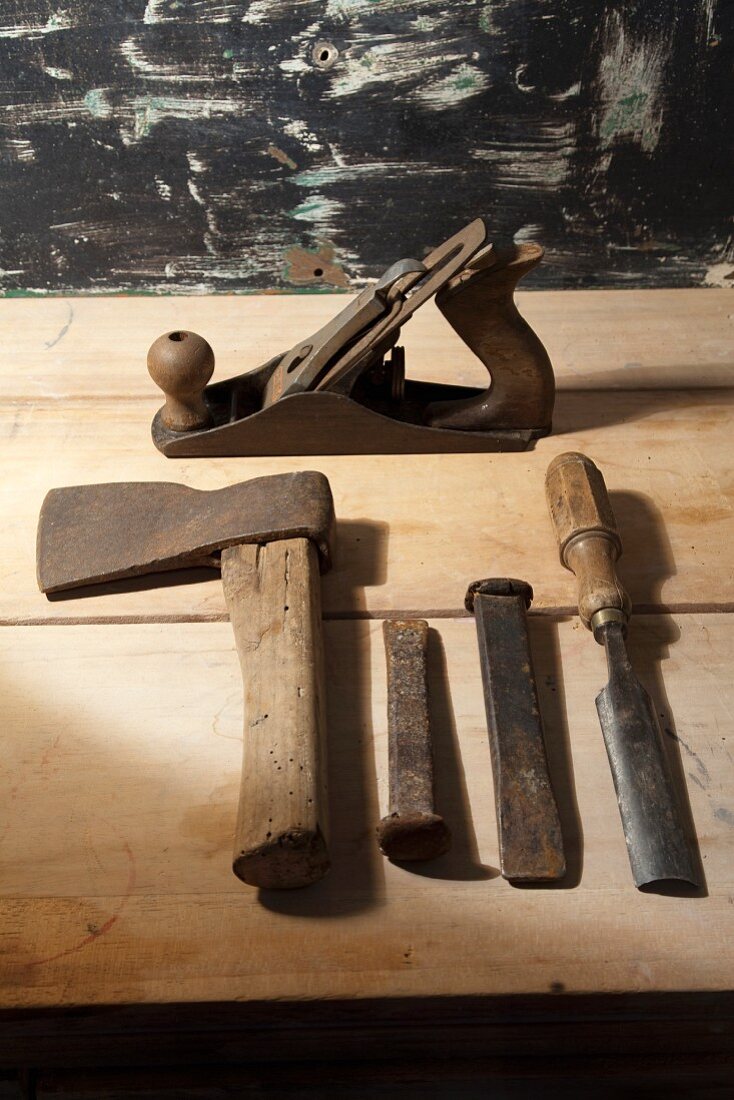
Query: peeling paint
[
  {"x": 97, "y": 103},
  {"x": 281, "y": 157},
  {"x": 304, "y": 267},
  {"x": 719, "y": 275},
  {"x": 631, "y": 74}
]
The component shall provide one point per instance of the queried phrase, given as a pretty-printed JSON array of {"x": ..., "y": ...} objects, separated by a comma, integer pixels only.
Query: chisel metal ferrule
[{"x": 607, "y": 615}]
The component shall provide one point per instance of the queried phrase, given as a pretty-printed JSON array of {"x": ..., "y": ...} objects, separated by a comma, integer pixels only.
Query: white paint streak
[
  {"x": 323, "y": 177},
  {"x": 571, "y": 91},
  {"x": 402, "y": 63},
  {"x": 323, "y": 213},
  {"x": 164, "y": 189},
  {"x": 347, "y": 10},
  {"x": 539, "y": 164},
  {"x": 259, "y": 11},
  {"x": 195, "y": 11},
  {"x": 190, "y": 72},
  {"x": 58, "y": 22},
  {"x": 532, "y": 232},
  {"x": 520, "y": 82},
  {"x": 58, "y": 74},
  {"x": 298, "y": 129},
  {"x": 294, "y": 65},
  {"x": 196, "y": 164},
  {"x": 720, "y": 275},
  {"x": 631, "y": 76},
  {"x": 148, "y": 111},
  {"x": 20, "y": 149}
]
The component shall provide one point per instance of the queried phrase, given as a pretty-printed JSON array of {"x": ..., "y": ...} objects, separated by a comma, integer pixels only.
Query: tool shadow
[
  {"x": 581, "y": 409},
  {"x": 451, "y": 797},
  {"x": 355, "y": 882},
  {"x": 645, "y": 540}
]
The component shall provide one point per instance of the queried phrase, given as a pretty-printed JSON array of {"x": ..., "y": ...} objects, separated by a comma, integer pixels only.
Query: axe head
[{"x": 93, "y": 533}]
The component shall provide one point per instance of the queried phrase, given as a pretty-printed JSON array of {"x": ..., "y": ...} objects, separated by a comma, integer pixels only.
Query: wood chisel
[{"x": 658, "y": 842}]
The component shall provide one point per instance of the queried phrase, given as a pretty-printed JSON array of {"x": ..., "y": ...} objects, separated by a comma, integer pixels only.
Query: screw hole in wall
[{"x": 324, "y": 54}]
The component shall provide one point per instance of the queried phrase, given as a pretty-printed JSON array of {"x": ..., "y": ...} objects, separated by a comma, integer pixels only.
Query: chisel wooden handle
[
  {"x": 273, "y": 596},
  {"x": 587, "y": 535}
]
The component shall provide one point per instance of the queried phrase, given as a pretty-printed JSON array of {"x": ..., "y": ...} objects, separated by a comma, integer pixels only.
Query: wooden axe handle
[{"x": 274, "y": 601}]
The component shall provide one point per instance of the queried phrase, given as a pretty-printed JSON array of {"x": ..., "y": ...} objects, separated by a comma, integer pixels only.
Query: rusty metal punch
[
  {"x": 412, "y": 830},
  {"x": 528, "y": 825}
]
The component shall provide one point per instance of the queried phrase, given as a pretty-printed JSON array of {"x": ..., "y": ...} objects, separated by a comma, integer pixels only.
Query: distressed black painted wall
[{"x": 200, "y": 144}]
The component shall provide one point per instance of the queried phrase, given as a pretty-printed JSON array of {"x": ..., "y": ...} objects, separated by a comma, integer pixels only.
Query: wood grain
[
  {"x": 274, "y": 602},
  {"x": 72, "y": 348},
  {"x": 119, "y": 791},
  {"x": 413, "y": 533}
]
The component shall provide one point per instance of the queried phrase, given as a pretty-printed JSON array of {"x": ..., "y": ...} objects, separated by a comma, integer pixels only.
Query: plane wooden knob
[
  {"x": 587, "y": 534},
  {"x": 182, "y": 363}
]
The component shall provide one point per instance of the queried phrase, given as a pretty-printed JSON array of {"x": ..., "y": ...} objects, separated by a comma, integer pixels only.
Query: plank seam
[{"x": 561, "y": 612}]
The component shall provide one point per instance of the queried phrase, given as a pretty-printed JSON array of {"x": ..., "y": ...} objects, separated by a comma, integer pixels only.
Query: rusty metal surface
[
  {"x": 412, "y": 830},
  {"x": 658, "y": 843},
  {"x": 528, "y": 824},
  {"x": 93, "y": 533},
  {"x": 441, "y": 264},
  {"x": 303, "y": 367}
]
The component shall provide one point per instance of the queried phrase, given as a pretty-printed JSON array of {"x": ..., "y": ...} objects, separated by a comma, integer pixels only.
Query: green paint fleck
[
  {"x": 625, "y": 116},
  {"x": 229, "y": 54},
  {"x": 304, "y": 210},
  {"x": 97, "y": 103},
  {"x": 485, "y": 18},
  {"x": 466, "y": 81}
]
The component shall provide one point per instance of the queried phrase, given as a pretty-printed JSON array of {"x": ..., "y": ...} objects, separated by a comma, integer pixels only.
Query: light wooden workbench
[{"x": 122, "y": 714}]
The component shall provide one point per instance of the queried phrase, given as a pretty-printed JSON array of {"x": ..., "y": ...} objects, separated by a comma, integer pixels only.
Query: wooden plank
[
  {"x": 118, "y": 798},
  {"x": 217, "y": 145},
  {"x": 414, "y": 531},
  {"x": 79, "y": 348}
]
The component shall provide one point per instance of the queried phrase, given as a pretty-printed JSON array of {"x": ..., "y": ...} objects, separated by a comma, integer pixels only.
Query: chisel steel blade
[{"x": 649, "y": 805}]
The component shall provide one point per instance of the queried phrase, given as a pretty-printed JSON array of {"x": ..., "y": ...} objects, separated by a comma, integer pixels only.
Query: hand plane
[{"x": 343, "y": 390}]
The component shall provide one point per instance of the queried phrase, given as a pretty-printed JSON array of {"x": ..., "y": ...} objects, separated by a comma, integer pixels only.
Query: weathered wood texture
[
  {"x": 179, "y": 145},
  {"x": 119, "y": 793},
  {"x": 413, "y": 533},
  {"x": 274, "y": 602},
  {"x": 122, "y": 739}
]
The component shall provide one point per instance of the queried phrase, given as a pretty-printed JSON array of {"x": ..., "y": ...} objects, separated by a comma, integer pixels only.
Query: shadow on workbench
[
  {"x": 647, "y": 551},
  {"x": 462, "y": 861},
  {"x": 581, "y": 409}
]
